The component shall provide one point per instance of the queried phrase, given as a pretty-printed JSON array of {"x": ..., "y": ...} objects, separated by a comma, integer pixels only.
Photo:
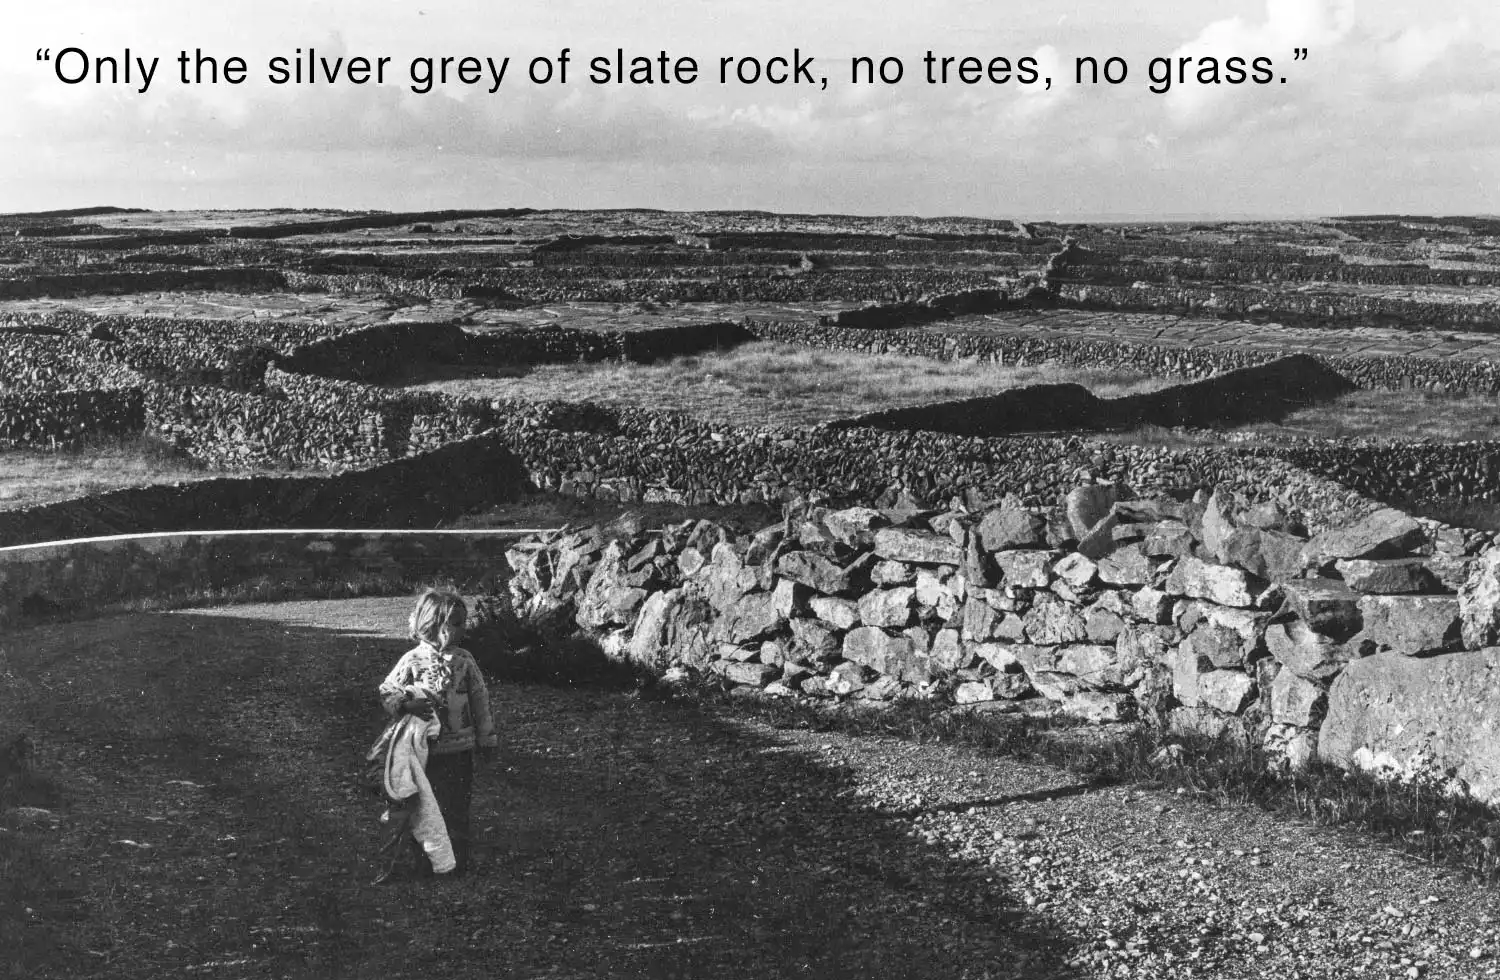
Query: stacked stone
[
  {"x": 84, "y": 283},
  {"x": 1204, "y": 616},
  {"x": 1365, "y": 370},
  {"x": 54, "y": 419}
]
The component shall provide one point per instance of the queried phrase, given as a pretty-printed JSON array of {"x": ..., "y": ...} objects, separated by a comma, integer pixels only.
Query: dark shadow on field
[
  {"x": 1263, "y": 393},
  {"x": 617, "y": 835}
]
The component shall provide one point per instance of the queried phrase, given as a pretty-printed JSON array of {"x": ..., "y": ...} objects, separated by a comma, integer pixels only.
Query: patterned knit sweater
[{"x": 452, "y": 680}]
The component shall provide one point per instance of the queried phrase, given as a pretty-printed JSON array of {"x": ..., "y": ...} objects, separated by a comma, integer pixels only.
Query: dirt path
[{"x": 215, "y": 829}]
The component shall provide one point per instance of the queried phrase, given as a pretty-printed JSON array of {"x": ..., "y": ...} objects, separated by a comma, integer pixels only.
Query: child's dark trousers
[{"x": 452, "y": 779}]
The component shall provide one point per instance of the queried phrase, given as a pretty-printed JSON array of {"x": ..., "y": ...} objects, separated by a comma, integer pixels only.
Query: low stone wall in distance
[
  {"x": 1206, "y": 617},
  {"x": 421, "y": 491},
  {"x": 87, "y": 575},
  {"x": 1372, "y": 371},
  {"x": 55, "y": 419}
]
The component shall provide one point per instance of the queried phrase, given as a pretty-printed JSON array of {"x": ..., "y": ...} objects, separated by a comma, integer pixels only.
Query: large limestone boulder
[{"x": 1431, "y": 717}]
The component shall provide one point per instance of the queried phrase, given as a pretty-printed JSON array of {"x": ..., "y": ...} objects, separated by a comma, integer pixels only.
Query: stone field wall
[
  {"x": 1365, "y": 371},
  {"x": 412, "y": 492},
  {"x": 1207, "y": 617},
  {"x": 80, "y": 576},
  {"x": 54, "y": 419}
]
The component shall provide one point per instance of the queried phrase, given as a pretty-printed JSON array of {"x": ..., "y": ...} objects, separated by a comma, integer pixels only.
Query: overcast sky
[{"x": 1397, "y": 108}]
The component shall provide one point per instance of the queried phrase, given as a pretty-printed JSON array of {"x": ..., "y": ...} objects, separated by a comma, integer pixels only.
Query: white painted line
[{"x": 285, "y": 531}]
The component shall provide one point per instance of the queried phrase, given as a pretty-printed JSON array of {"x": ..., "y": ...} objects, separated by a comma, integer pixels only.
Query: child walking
[{"x": 438, "y": 678}]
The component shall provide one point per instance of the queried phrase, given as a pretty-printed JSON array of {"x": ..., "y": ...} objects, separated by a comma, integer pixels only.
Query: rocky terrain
[
  {"x": 996, "y": 557},
  {"x": 1206, "y": 617}
]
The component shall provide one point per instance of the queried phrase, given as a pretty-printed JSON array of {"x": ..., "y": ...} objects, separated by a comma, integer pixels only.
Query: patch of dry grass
[
  {"x": 32, "y": 477},
  {"x": 765, "y": 383},
  {"x": 1403, "y": 416},
  {"x": 1399, "y": 415}
]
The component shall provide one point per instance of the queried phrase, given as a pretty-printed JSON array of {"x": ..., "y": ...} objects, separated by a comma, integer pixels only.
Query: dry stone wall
[
  {"x": 1211, "y": 617},
  {"x": 1243, "y": 395},
  {"x": 91, "y": 575},
  {"x": 411, "y": 492},
  {"x": 87, "y": 283},
  {"x": 1365, "y": 371},
  {"x": 1295, "y": 308},
  {"x": 55, "y": 419}
]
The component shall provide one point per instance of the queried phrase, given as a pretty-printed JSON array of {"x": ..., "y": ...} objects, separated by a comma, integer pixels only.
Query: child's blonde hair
[{"x": 439, "y": 618}]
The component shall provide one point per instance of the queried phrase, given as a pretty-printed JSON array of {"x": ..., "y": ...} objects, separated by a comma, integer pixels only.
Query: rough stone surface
[
  {"x": 1087, "y": 506},
  {"x": 1216, "y": 583},
  {"x": 1229, "y": 691},
  {"x": 1152, "y": 605},
  {"x": 813, "y": 571},
  {"x": 1328, "y": 606},
  {"x": 1270, "y": 555},
  {"x": 752, "y": 618},
  {"x": 1479, "y": 602},
  {"x": 755, "y": 675},
  {"x": 1050, "y": 621},
  {"x": 853, "y": 525},
  {"x": 846, "y": 678},
  {"x": 1387, "y": 533},
  {"x": 979, "y": 621},
  {"x": 1411, "y": 624},
  {"x": 973, "y": 692},
  {"x": 1168, "y": 540},
  {"x": 839, "y": 613},
  {"x": 1099, "y": 707},
  {"x": 892, "y": 573},
  {"x": 948, "y": 652},
  {"x": 1387, "y": 576},
  {"x": 1423, "y": 718},
  {"x": 887, "y": 607},
  {"x": 921, "y": 547},
  {"x": 1307, "y": 653},
  {"x": 1100, "y": 540},
  {"x": 1296, "y": 700},
  {"x": 1076, "y": 570},
  {"x": 1218, "y": 526},
  {"x": 1026, "y": 569},
  {"x": 1007, "y": 528},
  {"x": 886, "y": 654},
  {"x": 813, "y": 640},
  {"x": 1102, "y": 625},
  {"x": 1126, "y": 566}
]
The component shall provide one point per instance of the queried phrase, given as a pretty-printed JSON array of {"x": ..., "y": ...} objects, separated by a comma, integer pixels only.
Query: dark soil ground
[{"x": 213, "y": 825}]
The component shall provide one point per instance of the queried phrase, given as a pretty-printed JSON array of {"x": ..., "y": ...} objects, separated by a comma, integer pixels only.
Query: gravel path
[
  {"x": 1148, "y": 884},
  {"x": 634, "y": 838}
]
